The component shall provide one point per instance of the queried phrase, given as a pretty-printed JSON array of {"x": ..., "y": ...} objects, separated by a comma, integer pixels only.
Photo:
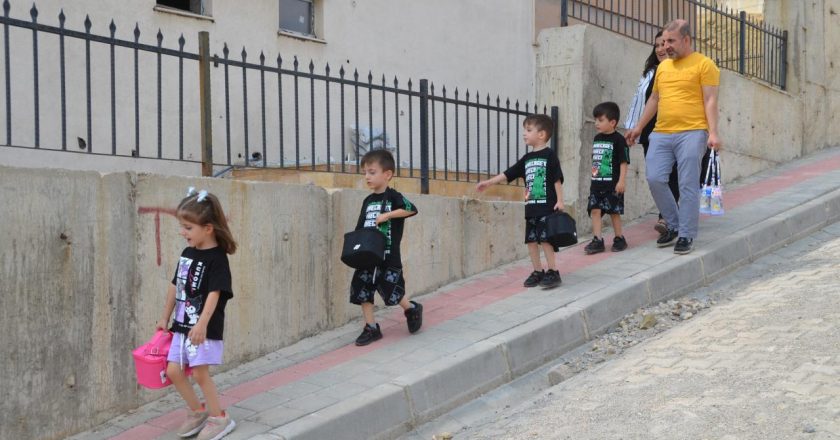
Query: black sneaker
[
  {"x": 595, "y": 246},
  {"x": 369, "y": 334},
  {"x": 534, "y": 279},
  {"x": 619, "y": 244},
  {"x": 684, "y": 245},
  {"x": 551, "y": 279},
  {"x": 667, "y": 238},
  {"x": 414, "y": 317}
]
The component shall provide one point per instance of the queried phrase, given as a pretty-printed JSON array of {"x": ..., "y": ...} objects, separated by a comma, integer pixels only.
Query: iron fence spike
[
  {"x": 181, "y": 41},
  {"x": 88, "y": 24},
  {"x": 136, "y": 31},
  {"x": 33, "y": 12},
  {"x": 311, "y": 66},
  {"x": 61, "y": 16},
  {"x": 6, "y": 6},
  {"x": 112, "y": 27},
  {"x": 159, "y": 36}
]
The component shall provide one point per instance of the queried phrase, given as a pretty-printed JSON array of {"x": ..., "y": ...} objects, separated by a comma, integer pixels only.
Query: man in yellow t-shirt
[{"x": 685, "y": 100}]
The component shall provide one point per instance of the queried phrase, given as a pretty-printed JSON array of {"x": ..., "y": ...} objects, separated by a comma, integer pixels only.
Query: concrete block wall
[{"x": 85, "y": 261}]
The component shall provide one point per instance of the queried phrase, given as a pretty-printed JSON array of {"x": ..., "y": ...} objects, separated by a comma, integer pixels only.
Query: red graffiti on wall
[{"x": 157, "y": 211}]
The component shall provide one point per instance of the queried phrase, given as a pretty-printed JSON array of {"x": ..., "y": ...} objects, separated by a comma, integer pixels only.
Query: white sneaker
[{"x": 217, "y": 427}]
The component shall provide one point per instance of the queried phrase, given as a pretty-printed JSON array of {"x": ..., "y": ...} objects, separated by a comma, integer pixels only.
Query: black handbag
[
  {"x": 363, "y": 248},
  {"x": 560, "y": 229}
]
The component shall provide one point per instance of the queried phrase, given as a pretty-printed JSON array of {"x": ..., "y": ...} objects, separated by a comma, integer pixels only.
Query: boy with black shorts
[
  {"x": 386, "y": 210},
  {"x": 540, "y": 169},
  {"x": 610, "y": 156}
]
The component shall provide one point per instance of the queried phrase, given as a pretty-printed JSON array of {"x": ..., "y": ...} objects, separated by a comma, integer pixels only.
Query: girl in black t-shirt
[{"x": 198, "y": 294}]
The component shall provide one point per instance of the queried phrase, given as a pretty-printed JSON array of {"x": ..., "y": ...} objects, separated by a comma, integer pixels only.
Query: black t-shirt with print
[
  {"x": 540, "y": 170},
  {"x": 199, "y": 272},
  {"x": 375, "y": 204},
  {"x": 609, "y": 151}
]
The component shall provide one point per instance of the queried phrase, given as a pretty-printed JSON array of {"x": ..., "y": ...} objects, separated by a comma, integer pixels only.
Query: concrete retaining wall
[{"x": 86, "y": 259}]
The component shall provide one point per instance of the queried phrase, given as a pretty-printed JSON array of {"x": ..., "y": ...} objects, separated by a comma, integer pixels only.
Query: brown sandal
[{"x": 660, "y": 226}]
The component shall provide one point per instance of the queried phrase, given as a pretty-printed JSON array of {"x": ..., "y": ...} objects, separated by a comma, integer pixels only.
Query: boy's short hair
[
  {"x": 607, "y": 109},
  {"x": 379, "y": 156},
  {"x": 541, "y": 122}
]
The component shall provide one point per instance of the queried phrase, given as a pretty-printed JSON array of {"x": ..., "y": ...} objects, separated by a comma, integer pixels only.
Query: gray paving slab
[
  {"x": 262, "y": 402},
  {"x": 278, "y": 416}
]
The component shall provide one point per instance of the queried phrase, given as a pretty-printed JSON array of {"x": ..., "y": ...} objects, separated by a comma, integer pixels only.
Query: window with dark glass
[
  {"x": 194, "y": 6},
  {"x": 297, "y": 16}
]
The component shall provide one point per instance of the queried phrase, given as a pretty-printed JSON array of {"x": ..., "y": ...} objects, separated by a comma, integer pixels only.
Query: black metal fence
[
  {"x": 125, "y": 101},
  {"x": 733, "y": 39}
]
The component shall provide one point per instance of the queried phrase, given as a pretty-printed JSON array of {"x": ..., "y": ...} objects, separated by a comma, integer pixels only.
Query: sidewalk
[
  {"x": 487, "y": 330},
  {"x": 761, "y": 364}
]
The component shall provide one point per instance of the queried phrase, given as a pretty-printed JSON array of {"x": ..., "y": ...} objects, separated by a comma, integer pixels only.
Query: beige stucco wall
[
  {"x": 814, "y": 64},
  {"x": 582, "y": 65},
  {"x": 86, "y": 259}
]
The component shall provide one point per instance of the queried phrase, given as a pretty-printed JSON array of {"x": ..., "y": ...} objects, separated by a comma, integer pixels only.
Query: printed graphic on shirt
[
  {"x": 188, "y": 308},
  {"x": 535, "y": 180},
  {"x": 602, "y": 161},
  {"x": 371, "y": 212}
]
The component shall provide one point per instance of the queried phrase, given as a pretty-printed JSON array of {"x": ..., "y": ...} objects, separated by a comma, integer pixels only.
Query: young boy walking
[
  {"x": 540, "y": 169},
  {"x": 610, "y": 156},
  {"x": 386, "y": 210}
]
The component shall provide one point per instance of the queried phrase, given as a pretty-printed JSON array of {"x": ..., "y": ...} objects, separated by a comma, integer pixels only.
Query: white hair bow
[{"x": 202, "y": 195}]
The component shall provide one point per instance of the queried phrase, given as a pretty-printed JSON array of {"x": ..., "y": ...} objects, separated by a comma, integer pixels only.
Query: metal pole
[
  {"x": 555, "y": 116},
  {"x": 742, "y": 43},
  {"x": 424, "y": 136},
  {"x": 784, "y": 62},
  {"x": 204, "y": 103},
  {"x": 564, "y": 13}
]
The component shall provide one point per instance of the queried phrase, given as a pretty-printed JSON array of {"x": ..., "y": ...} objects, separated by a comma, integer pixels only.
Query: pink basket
[{"x": 150, "y": 361}]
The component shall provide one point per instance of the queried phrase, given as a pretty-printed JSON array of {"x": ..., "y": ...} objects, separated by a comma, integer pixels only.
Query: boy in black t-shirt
[
  {"x": 386, "y": 210},
  {"x": 543, "y": 177},
  {"x": 610, "y": 156}
]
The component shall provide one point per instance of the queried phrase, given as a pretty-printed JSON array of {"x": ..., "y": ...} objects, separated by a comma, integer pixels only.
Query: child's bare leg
[
  {"x": 405, "y": 303},
  {"x": 201, "y": 374},
  {"x": 534, "y": 253},
  {"x": 596, "y": 222},
  {"x": 367, "y": 312},
  {"x": 548, "y": 250},
  {"x": 183, "y": 385},
  {"x": 616, "y": 224}
]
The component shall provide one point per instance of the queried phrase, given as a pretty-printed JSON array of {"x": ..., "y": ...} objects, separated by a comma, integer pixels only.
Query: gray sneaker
[
  {"x": 217, "y": 427},
  {"x": 194, "y": 422}
]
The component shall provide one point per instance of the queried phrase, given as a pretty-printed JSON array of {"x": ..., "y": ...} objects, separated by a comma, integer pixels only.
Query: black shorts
[
  {"x": 388, "y": 281},
  {"x": 609, "y": 202},
  {"x": 535, "y": 231}
]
